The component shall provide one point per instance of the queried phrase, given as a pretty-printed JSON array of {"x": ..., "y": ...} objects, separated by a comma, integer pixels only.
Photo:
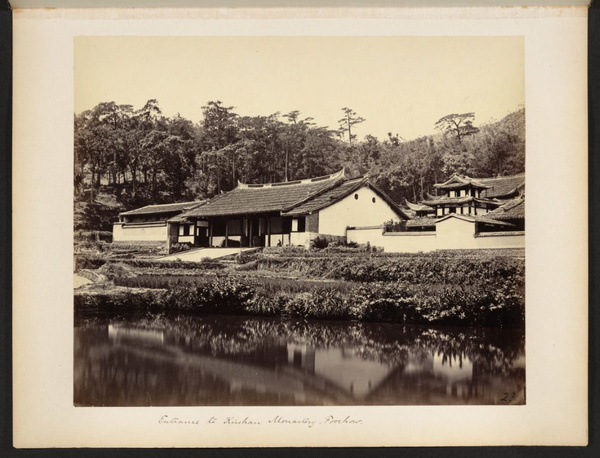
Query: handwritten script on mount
[{"x": 255, "y": 421}]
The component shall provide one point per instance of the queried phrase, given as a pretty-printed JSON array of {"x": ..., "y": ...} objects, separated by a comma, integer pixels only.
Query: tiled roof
[
  {"x": 458, "y": 200},
  {"x": 165, "y": 208},
  {"x": 423, "y": 221},
  {"x": 515, "y": 209},
  {"x": 323, "y": 199},
  {"x": 456, "y": 181},
  {"x": 419, "y": 207},
  {"x": 276, "y": 197},
  {"x": 330, "y": 196},
  {"x": 290, "y": 198},
  {"x": 474, "y": 219},
  {"x": 503, "y": 186},
  {"x": 449, "y": 200},
  {"x": 485, "y": 219}
]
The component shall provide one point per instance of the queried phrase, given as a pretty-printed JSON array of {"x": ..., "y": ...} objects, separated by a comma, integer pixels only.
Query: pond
[{"x": 159, "y": 360}]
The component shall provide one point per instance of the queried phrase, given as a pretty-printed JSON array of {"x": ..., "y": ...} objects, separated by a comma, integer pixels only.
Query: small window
[
  {"x": 234, "y": 227},
  {"x": 356, "y": 196},
  {"x": 276, "y": 226},
  {"x": 218, "y": 228},
  {"x": 186, "y": 229},
  {"x": 373, "y": 199}
]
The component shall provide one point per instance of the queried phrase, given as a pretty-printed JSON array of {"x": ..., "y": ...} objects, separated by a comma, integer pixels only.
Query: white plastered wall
[
  {"x": 352, "y": 212},
  {"x": 455, "y": 233},
  {"x": 151, "y": 232}
]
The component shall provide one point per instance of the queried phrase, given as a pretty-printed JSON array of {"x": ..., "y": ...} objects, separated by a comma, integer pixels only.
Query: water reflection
[{"x": 162, "y": 360}]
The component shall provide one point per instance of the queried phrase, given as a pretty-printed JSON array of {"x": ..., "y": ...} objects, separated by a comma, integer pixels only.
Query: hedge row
[
  {"x": 500, "y": 306},
  {"x": 431, "y": 269}
]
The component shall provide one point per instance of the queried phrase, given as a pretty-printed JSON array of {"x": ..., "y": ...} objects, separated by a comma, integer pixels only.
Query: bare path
[{"x": 203, "y": 253}]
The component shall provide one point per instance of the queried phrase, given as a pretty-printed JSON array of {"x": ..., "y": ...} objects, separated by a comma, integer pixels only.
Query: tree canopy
[{"x": 142, "y": 156}]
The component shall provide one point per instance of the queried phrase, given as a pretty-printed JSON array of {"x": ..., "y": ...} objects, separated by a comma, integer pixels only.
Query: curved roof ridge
[
  {"x": 163, "y": 208},
  {"x": 417, "y": 207},
  {"x": 329, "y": 177},
  {"x": 462, "y": 180}
]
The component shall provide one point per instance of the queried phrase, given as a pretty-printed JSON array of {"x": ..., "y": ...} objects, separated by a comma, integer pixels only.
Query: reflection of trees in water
[
  {"x": 492, "y": 350},
  {"x": 185, "y": 360}
]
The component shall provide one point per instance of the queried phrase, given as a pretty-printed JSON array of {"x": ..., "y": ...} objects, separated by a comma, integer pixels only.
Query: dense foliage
[
  {"x": 438, "y": 288},
  {"x": 391, "y": 301},
  {"x": 140, "y": 156}
]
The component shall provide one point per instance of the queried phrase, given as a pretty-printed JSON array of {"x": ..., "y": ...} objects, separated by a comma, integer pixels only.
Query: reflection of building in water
[
  {"x": 354, "y": 374},
  {"x": 451, "y": 368},
  {"x": 435, "y": 378},
  {"x": 122, "y": 365},
  {"x": 455, "y": 373},
  {"x": 118, "y": 334}
]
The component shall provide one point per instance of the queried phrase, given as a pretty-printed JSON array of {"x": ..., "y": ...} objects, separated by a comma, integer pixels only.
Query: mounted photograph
[{"x": 299, "y": 220}]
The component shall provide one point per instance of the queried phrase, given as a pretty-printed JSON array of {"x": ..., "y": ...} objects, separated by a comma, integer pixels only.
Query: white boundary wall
[
  {"x": 451, "y": 234},
  {"x": 394, "y": 242},
  {"x": 142, "y": 232}
]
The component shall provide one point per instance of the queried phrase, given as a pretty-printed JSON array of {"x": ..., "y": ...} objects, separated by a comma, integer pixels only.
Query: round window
[
  {"x": 373, "y": 199},
  {"x": 356, "y": 196}
]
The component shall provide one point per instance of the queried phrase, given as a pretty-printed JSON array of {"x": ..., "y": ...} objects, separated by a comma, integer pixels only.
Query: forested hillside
[{"x": 133, "y": 157}]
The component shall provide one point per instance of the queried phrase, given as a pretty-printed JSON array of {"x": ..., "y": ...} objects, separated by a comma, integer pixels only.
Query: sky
[{"x": 401, "y": 85}]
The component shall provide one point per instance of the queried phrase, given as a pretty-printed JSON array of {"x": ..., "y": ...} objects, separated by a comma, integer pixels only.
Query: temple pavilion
[{"x": 487, "y": 200}]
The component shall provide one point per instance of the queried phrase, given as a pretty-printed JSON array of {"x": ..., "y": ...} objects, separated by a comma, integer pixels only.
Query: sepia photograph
[
  {"x": 299, "y": 221},
  {"x": 300, "y": 227}
]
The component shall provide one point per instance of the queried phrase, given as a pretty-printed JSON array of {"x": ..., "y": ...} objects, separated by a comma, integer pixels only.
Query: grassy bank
[
  {"x": 379, "y": 301},
  {"x": 456, "y": 288}
]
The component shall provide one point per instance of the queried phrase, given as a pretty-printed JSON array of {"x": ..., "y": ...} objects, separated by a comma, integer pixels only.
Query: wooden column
[
  {"x": 210, "y": 230},
  {"x": 268, "y": 232},
  {"x": 250, "y": 241},
  {"x": 226, "y": 233}
]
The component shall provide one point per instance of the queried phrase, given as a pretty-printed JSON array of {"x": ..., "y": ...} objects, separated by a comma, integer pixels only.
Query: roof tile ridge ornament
[
  {"x": 448, "y": 181},
  {"x": 417, "y": 206},
  {"x": 330, "y": 177},
  {"x": 192, "y": 204}
]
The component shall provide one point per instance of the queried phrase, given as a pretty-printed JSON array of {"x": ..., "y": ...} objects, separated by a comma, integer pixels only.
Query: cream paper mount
[{"x": 45, "y": 94}]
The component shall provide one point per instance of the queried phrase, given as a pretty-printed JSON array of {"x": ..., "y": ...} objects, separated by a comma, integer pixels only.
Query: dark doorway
[
  {"x": 201, "y": 239},
  {"x": 254, "y": 238}
]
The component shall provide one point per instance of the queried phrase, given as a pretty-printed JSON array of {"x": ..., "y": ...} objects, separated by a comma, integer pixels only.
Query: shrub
[
  {"x": 114, "y": 270},
  {"x": 394, "y": 226},
  {"x": 223, "y": 295},
  {"x": 318, "y": 243},
  {"x": 384, "y": 302},
  {"x": 85, "y": 261},
  {"x": 83, "y": 236},
  {"x": 243, "y": 257},
  {"x": 179, "y": 247}
]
